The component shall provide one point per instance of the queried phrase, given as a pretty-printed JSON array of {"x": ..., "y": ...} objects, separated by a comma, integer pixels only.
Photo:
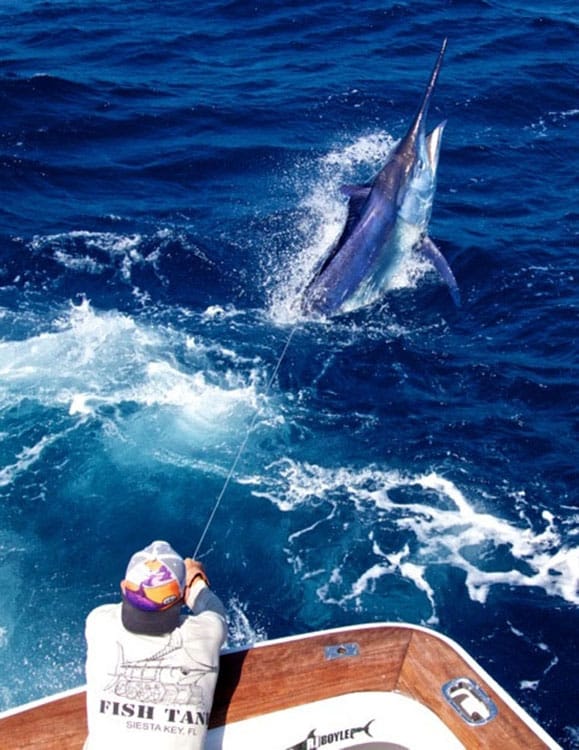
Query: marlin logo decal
[
  {"x": 387, "y": 219},
  {"x": 314, "y": 740}
]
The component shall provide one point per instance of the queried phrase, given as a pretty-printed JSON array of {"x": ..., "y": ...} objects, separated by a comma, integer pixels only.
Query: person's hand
[{"x": 194, "y": 570}]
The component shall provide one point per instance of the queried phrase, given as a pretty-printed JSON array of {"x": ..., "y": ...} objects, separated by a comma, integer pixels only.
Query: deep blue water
[{"x": 170, "y": 171}]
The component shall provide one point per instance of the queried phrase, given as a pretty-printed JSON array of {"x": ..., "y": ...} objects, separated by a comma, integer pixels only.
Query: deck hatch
[
  {"x": 470, "y": 701},
  {"x": 341, "y": 651}
]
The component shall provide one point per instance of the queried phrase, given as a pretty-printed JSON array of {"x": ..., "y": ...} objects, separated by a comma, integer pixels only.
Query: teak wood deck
[{"x": 296, "y": 671}]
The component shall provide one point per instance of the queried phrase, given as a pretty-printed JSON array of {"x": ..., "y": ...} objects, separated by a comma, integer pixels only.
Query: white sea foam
[
  {"x": 215, "y": 312},
  {"x": 240, "y": 631},
  {"x": 123, "y": 249},
  {"x": 529, "y": 684},
  {"x": 445, "y": 529},
  {"x": 131, "y": 376},
  {"x": 97, "y": 252},
  {"x": 27, "y": 457}
]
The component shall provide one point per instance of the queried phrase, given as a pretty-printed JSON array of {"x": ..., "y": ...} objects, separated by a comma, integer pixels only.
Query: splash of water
[{"x": 137, "y": 380}]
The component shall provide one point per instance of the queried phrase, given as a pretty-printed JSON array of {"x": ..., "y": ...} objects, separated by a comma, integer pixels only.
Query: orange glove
[{"x": 193, "y": 570}]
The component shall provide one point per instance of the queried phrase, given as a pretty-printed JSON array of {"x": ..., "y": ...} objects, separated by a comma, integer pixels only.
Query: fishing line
[{"x": 243, "y": 445}]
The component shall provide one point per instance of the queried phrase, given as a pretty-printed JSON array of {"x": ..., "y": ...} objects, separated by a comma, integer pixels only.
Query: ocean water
[{"x": 170, "y": 174}]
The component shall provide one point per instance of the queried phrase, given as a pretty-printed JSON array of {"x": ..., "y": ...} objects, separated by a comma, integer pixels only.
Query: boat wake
[{"x": 358, "y": 533}]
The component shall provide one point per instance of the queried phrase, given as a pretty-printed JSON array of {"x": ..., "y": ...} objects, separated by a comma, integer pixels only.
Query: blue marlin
[{"x": 387, "y": 219}]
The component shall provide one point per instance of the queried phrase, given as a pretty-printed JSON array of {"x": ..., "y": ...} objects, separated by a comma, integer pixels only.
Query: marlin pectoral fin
[{"x": 429, "y": 249}]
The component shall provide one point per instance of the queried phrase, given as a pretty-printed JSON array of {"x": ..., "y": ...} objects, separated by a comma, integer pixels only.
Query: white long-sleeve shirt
[{"x": 153, "y": 692}]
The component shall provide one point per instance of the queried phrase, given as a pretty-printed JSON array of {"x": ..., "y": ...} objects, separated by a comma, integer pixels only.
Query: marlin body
[{"x": 387, "y": 218}]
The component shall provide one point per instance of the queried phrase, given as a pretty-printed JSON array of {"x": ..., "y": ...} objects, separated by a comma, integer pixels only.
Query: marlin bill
[{"x": 387, "y": 219}]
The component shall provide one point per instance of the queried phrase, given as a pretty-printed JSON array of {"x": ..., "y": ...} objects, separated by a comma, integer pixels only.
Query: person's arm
[{"x": 198, "y": 596}]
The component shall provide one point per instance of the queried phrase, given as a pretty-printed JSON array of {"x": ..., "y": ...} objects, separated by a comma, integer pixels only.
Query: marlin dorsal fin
[
  {"x": 358, "y": 195},
  {"x": 356, "y": 191}
]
